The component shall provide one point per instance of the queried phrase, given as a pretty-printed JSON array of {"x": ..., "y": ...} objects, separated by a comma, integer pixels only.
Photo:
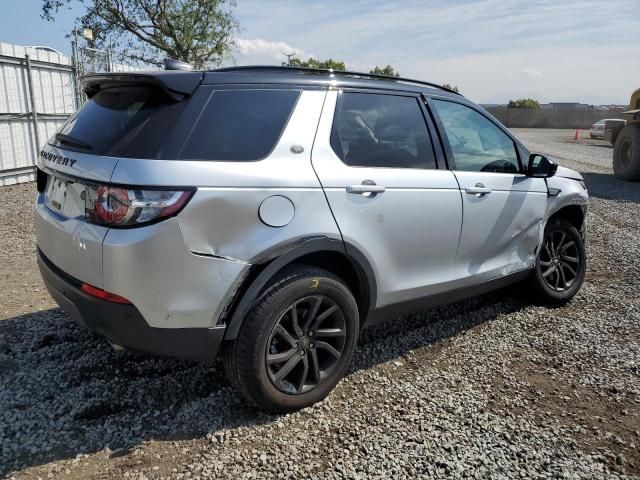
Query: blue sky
[{"x": 494, "y": 50}]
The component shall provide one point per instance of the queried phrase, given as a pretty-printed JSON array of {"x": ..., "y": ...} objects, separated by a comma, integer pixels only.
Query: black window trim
[
  {"x": 451, "y": 162},
  {"x": 438, "y": 154},
  {"x": 252, "y": 87}
]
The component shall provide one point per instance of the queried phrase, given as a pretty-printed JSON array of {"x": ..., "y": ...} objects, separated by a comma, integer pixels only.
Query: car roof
[
  {"x": 318, "y": 77},
  {"x": 184, "y": 82}
]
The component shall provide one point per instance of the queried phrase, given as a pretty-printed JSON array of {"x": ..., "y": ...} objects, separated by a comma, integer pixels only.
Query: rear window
[
  {"x": 379, "y": 130},
  {"x": 240, "y": 125},
  {"x": 109, "y": 122}
]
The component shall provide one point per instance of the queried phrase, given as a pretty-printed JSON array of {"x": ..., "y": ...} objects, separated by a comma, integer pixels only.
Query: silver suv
[{"x": 272, "y": 213}]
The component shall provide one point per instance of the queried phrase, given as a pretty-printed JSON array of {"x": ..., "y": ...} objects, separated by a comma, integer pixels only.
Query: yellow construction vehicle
[{"x": 625, "y": 137}]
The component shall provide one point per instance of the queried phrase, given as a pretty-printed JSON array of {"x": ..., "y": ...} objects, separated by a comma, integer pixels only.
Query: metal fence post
[
  {"x": 75, "y": 61},
  {"x": 34, "y": 109}
]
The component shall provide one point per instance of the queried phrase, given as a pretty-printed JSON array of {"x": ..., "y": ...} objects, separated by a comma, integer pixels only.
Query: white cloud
[
  {"x": 489, "y": 48},
  {"x": 496, "y": 77},
  {"x": 257, "y": 51},
  {"x": 531, "y": 72}
]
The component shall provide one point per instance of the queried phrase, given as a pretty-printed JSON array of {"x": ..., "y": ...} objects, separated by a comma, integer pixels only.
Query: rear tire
[
  {"x": 296, "y": 342},
  {"x": 560, "y": 264},
  {"x": 626, "y": 154}
]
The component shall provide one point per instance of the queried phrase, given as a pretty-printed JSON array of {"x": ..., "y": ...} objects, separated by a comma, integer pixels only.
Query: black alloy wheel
[
  {"x": 560, "y": 264},
  {"x": 559, "y": 261},
  {"x": 296, "y": 342},
  {"x": 305, "y": 344}
]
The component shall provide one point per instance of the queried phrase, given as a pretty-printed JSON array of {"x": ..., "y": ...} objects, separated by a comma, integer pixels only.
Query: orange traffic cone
[{"x": 576, "y": 137}]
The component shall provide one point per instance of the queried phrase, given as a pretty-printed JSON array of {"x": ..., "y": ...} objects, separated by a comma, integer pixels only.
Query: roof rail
[{"x": 345, "y": 73}]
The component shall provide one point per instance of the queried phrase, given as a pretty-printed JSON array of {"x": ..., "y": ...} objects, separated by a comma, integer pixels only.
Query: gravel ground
[{"x": 489, "y": 387}]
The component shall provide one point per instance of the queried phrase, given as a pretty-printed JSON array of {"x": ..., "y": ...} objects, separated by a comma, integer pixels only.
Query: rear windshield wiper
[{"x": 73, "y": 142}]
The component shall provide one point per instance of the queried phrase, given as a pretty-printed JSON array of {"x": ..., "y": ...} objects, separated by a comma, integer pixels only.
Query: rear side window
[
  {"x": 240, "y": 125},
  {"x": 376, "y": 130},
  {"x": 112, "y": 118}
]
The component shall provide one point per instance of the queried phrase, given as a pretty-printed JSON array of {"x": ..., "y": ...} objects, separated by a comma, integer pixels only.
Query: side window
[
  {"x": 240, "y": 125},
  {"x": 375, "y": 130},
  {"x": 478, "y": 145}
]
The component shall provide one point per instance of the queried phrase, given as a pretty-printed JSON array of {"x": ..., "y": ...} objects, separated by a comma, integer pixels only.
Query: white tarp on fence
[{"x": 53, "y": 78}]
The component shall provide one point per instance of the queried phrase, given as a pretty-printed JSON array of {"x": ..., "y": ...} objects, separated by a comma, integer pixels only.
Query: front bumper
[{"x": 123, "y": 324}]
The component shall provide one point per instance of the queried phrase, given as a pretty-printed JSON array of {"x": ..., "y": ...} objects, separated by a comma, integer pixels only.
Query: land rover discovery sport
[{"x": 272, "y": 213}]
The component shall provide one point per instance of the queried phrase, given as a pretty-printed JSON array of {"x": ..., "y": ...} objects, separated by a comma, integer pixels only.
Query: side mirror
[{"x": 541, "y": 166}]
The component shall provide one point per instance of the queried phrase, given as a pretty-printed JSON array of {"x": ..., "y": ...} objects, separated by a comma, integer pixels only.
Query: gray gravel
[{"x": 489, "y": 387}]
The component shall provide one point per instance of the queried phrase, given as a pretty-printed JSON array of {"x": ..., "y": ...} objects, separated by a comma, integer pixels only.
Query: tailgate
[
  {"x": 126, "y": 116},
  {"x": 71, "y": 244},
  {"x": 63, "y": 235}
]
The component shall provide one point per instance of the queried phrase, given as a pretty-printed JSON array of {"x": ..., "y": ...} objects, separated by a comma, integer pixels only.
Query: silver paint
[
  {"x": 409, "y": 232},
  {"x": 70, "y": 243},
  {"x": 171, "y": 286},
  {"x": 276, "y": 211},
  {"x": 422, "y": 231}
]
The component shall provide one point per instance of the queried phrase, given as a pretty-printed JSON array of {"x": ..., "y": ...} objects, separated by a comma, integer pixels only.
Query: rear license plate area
[{"x": 64, "y": 196}]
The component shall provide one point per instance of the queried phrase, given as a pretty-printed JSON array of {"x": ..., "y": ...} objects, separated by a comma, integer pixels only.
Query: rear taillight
[{"x": 125, "y": 207}]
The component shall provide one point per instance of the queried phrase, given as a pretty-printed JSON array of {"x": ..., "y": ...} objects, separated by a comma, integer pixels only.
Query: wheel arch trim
[
  {"x": 271, "y": 262},
  {"x": 569, "y": 211}
]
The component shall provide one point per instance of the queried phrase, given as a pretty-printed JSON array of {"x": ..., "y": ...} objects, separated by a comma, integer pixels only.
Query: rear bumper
[{"x": 124, "y": 325}]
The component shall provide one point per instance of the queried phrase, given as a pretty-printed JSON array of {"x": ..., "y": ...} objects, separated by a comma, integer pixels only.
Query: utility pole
[{"x": 289, "y": 57}]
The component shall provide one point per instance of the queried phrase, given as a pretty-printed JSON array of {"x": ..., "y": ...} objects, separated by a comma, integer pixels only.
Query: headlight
[{"x": 584, "y": 185}]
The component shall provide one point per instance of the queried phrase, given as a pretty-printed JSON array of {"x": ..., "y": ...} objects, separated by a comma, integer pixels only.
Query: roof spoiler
[{"x": 175, "y": 84}]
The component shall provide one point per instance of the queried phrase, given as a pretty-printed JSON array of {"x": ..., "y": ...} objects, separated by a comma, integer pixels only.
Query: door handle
[
  {"x": 367, "y": 186},
  {"x": 478, "y": 190},
  {"x": 364, "y": 188}
]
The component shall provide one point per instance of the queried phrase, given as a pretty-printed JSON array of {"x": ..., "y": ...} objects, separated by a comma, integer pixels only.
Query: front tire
[
  {"x": 296, "y": 342},
  {"x": 560, "y": 264}
]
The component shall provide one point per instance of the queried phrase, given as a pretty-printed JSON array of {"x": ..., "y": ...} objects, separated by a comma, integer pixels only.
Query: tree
[
  {"x": 451, "y": 87},
  {"x": 524, "y": 103},
  {"x": 314, "y": 63},
  {"x": 199, "y": 32},
  {"x": 389, "y": 71}
]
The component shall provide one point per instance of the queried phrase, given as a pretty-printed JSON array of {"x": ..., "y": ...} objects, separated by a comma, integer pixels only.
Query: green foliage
[
  {"x": 314, "y": 63},
  {"x": 451, "y": 87},
  {"x": 524, "y": 103},
  {"x": 389, "y": 71},
  {"x": 199, "y": 32}
]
